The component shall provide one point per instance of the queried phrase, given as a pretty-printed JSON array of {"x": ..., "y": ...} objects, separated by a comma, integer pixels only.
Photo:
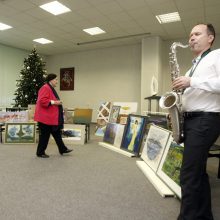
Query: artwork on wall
[
  {"x": 114, "y": 114},
  {"x": 119, "y": 135},
  {"x": 156, "y": 141},
  {"x": 133, "y": 133},
  {"x": 169, "y": 168},
  {"x": 20, "y": 133},
  {"x": 102, "y": 118},
  {"x": 67, "y": 78},
  {"x": 110, "y": 132}
]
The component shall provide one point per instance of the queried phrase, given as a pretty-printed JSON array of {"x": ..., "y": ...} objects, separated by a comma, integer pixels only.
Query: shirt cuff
[{"x": 52, "y": 102}]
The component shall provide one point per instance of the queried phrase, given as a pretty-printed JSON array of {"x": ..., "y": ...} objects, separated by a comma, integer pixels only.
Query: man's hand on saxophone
[{"x": 181, "y": 82}]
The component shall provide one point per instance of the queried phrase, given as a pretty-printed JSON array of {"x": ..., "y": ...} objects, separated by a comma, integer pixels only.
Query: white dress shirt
[{"x": 204, "y": 91}]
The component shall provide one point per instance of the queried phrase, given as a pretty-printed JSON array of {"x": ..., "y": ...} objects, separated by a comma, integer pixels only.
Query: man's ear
[{"x": 211, "y": 38}]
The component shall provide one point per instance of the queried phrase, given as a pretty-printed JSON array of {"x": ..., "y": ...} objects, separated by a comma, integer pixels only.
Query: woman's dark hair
[{"x": 50, "y": 77}]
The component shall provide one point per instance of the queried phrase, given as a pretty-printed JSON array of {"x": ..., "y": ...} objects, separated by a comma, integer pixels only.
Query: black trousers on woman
[
  {"x": 44, "y": 135},
  {"x": 201, "y": 131}
]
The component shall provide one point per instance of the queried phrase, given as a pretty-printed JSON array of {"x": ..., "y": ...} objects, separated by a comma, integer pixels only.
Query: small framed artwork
[
  {"x": 114, "y": 114},
  {"x": 67, "y": 78},
  {"x": 20, "y": 133},
  {"x": 169, "y": 169},
  {"x": 119, "y": 135},
  {"x": 72, "y": 134},
  {"x": 122, "y": 119},
  {"x": 133, "y": 133},
  {"x": 155, "y": 144},
  {"x": 110, "y": 133}
]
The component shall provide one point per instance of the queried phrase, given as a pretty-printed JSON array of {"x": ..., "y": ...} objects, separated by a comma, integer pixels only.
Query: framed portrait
[
  {"x": 67, "y": 78},
  {"x": 133, "y": 133},
  {"x": 20, "y": 133},
  {"x": 114, "y": 114},
  {"x": 169, "y": 168}
]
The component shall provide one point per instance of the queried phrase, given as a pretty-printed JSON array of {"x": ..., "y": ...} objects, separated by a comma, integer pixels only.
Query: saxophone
[{"x": 172, "y": 101}]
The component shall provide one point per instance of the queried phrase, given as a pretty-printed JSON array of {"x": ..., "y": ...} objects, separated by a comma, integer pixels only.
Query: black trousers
[
  {"x": 200, "y": 134},
  {"x": 44, "y": 135}
]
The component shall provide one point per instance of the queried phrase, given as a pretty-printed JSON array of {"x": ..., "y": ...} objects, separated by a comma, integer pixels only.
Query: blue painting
[{"x": 133, "y": 134}]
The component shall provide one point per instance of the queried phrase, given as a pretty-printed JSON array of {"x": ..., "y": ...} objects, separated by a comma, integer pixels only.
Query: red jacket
[{"x": 44, "y": 111}]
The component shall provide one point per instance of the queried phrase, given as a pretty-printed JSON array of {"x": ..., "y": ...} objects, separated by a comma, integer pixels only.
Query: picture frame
[
  {"x": 169, "y": 168},
  {"x": 157, "y": 140},
  {"x": 67, "y": 79},
  {"x": 72, "y": 134},
  {"x": 110, "y": 133},
  {"x": 20, "y": 133},
  {"x": 115, "y": 110},
  {"x": 119, "y": 135},
  {"x": 133, "y": 133}
]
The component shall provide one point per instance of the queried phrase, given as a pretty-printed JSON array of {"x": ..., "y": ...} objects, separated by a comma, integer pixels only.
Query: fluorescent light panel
[
  {"x": 94, "y": 31},
  {"x": 4, "y": 26},
  {"x": 43, "y": 41},
  {"x": 168, "y": 18},
  {"x": 55, "y": 8}
]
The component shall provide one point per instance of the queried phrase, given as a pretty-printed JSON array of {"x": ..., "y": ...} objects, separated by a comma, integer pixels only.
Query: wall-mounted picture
[
  {"x": 114, "y": 114},
  {"x": 20, "y": 133},
  {"x": 153, "y": 150},
  {"x": 110, "y": 132},
  {"x": 133, "y": 133},
  {"x": 169, "y": 168},
  {"x": 67, "y": 78}
]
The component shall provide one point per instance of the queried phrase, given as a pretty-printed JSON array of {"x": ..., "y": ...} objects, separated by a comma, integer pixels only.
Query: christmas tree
[{"x": 32, "y": 77}]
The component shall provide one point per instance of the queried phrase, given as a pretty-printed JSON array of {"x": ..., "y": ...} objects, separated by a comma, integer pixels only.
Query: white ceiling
[{"x": 121, "y": 19}]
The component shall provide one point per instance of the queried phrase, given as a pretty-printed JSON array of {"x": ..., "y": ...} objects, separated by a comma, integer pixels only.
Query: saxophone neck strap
[{"x": 202, "y": 56}]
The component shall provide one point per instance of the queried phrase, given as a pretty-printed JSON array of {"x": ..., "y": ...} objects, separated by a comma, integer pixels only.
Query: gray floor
[{"x": 91, "y": 183}]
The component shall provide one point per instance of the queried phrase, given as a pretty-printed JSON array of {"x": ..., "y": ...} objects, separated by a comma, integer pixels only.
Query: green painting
[
  {"x": 172, "y": 164},
  {"x": 20, "y": 133}
]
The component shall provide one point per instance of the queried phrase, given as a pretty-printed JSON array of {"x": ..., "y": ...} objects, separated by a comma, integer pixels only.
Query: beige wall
[
  {"x": 11, "y": 63},
  {"x": 111, "y": 74}
]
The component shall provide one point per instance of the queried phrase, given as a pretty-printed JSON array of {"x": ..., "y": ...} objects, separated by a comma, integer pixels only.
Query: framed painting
[
  {"x": 155, "y": 144},
  {"x": 67, "y": 78},
  {"x": 133, "y": 133},
  {"x": 110, "y": 132},
  {"x": 102, "y": 118},
  {"x": 114, "y": 114},
  {"x": 72, "y": 134},
  {"x": 169, "y": 169},
  {"x": 119, "y": 135},
  {"x": 20, "y": 133}
]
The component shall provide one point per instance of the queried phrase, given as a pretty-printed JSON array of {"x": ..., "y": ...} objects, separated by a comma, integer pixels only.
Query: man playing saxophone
[{"x": 201, "y": 111}]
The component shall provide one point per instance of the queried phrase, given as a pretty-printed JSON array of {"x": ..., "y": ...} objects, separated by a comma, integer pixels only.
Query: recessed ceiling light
[
  {"x": 94, "y": 31},
  {"x": 43, "y": 41},
  {"x": 4, "y": 26},
  {"x": 168, "y": 18},
  {"x": 55, "y": 8}
]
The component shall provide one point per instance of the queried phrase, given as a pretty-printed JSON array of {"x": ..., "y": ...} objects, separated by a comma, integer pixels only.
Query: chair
[{"x": 84, "y": 117}]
